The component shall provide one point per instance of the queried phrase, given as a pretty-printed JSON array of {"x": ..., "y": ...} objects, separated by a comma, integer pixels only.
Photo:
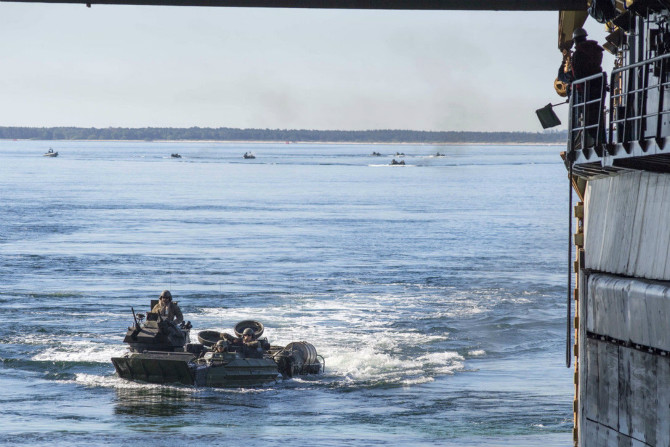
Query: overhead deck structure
[{"x": 471, "y": 5}]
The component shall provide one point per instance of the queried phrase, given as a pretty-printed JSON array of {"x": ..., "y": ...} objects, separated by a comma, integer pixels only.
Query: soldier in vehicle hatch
[
  {"x": 168, "y": 309},
  {"x": 246, "y": 344},
  {"x": 251, "y": 347},
  {"x": 247, "y": 337}
]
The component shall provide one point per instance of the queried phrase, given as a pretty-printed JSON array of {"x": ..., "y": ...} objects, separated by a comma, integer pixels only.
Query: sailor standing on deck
[
  {"x": 587, "y": 61},
  {"x": 167, "y": 309},
  {"x": 587, "y": 58}
]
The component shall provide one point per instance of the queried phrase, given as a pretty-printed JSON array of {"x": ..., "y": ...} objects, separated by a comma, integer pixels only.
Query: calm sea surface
[{"x": 434, "y": 291}]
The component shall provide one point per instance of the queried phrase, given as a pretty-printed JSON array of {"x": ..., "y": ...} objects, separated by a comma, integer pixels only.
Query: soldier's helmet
[
  {"x": 167, "y": 295},
  {"x": 248, "y": 331},
  {"x": 579, "y": 33}
]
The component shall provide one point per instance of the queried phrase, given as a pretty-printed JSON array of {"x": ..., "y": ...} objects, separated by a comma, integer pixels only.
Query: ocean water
[{"x": 435, "y": 291}]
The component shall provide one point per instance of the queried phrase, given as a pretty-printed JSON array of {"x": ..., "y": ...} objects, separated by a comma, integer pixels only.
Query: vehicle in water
[
  {"x": 175, "y": 155},
  {"x": 51, "y": 153},
  {"x": 160, "y": 352},
  {"x": 248, "y": 155}
]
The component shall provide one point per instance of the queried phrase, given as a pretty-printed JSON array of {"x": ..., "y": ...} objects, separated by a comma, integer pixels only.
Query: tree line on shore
[{"x": 233, "y": 134}]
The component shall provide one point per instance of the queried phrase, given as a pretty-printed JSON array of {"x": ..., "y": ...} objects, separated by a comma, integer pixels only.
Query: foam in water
[
  {"x": 80, "y": 351},
  {"x": 355, "y": 345}
]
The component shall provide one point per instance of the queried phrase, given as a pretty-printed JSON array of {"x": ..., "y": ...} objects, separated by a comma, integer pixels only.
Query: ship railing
[
  {"x": 637, "y": 103},
  {"x": 586, "y": 120}
]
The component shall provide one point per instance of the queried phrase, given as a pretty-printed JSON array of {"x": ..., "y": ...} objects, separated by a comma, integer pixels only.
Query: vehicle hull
[{"x": 214, "y": 370}]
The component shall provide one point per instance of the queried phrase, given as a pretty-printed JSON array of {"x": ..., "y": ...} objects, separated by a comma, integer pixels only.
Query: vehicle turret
[{"x": 156, "y": 334}]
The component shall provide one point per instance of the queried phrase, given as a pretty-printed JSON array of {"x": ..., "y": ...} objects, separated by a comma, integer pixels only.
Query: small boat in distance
[
  {"x": 376, "y": 154},
  {"x": 51, "y": 153},
  {"x": 249, "y": 155},
  {"x": 438, "y": 154},
  {"x": 396, "y": 162},
  {"x": 175, "y": 155}
]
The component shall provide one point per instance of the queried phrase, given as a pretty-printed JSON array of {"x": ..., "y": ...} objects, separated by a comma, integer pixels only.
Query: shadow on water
[
  {"x": 167, "y": 401},
  {"x": 152, "y": 402}
]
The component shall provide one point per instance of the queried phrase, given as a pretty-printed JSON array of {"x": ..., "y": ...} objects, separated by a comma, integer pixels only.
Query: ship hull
[{"x": 623, "y": 308}]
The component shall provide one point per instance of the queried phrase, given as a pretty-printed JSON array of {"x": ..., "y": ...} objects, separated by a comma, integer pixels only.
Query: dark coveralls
[{"x": 587, "y": 61}]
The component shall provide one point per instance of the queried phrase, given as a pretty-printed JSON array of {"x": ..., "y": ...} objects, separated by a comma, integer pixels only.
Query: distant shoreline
[
  {"x": 297, "y": 136},
  {"x": 506, "y": 143}
]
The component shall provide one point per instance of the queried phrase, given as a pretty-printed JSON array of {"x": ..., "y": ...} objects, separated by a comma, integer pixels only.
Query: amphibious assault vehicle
[{"x": 160, "y": 352}]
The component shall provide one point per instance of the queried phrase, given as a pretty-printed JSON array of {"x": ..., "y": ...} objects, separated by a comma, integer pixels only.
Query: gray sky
[{"x": 127, "y": 66}]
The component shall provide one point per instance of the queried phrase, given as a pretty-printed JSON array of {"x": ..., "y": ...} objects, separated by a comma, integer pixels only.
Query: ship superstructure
[{"x": 619, "y": 164}]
